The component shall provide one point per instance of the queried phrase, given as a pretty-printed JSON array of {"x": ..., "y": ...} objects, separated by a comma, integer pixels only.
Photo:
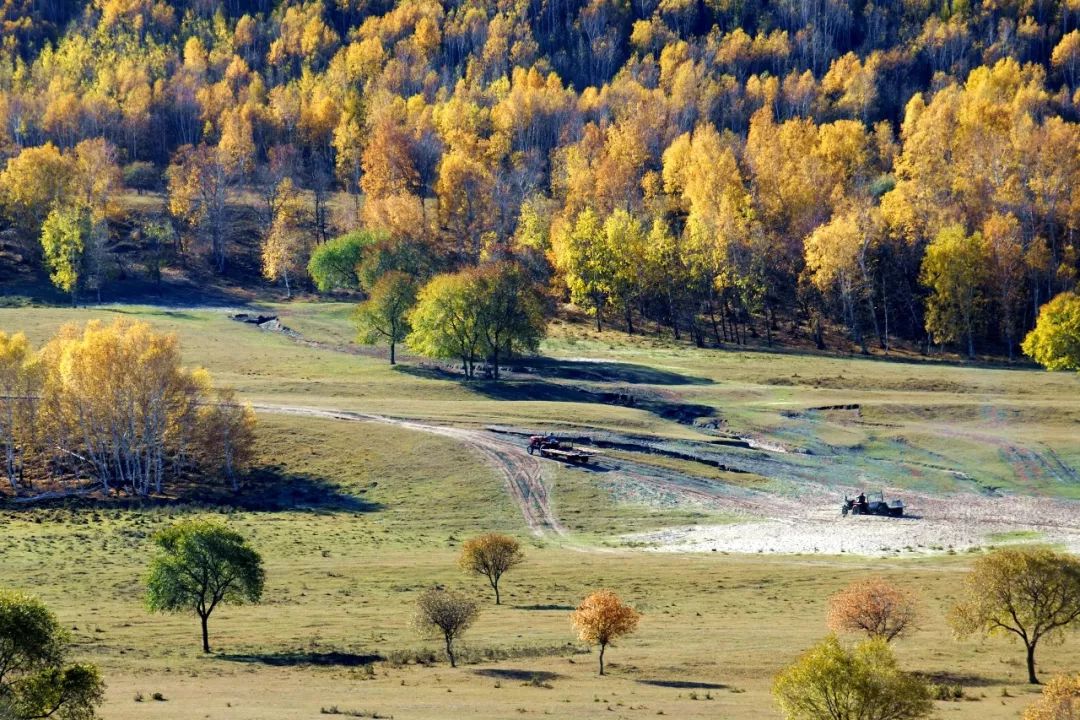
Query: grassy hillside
[{"x": 354, "y": 518}]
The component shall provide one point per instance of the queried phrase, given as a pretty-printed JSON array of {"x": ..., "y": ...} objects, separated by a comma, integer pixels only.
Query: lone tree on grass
[
  {"x": 383, "y": 317},
  {"x": 199, "y": 566},
  {"x": 35, "y": 679},
  {"x": 602, "y": 618},
  {"x": 1054, "y": 343},
  {"x": 830, "y": 682},
  {"x": 491, "y": 555},
  {"x": 1032, "y": 593},
  {"x": 1060, "y": 700},
  {"x": 446, "y": 614},
  {"x": 874, "y": 606}
]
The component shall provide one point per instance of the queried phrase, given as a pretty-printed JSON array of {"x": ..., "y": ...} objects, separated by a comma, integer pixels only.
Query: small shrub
[{"x": 158, "y": 697}]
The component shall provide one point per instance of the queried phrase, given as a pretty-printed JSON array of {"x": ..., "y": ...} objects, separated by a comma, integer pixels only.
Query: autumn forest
[{"x": 902, "y": 171}]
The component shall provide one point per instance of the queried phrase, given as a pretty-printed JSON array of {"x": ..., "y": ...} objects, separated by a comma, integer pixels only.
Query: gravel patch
[{"x": 935, "y": 525}]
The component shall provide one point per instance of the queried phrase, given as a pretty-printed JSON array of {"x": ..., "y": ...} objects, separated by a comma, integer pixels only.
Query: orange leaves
[
  {"x": 602, "y": 618},
  {"x": 873, "y": 606}
]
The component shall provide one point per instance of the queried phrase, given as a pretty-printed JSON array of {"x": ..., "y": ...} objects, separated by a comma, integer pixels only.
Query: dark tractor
[
  {"x": 552, "y": 447},
  {"x": 862, "y": 506}
]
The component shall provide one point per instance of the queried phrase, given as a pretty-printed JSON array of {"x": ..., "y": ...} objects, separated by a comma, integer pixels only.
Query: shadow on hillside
[
  {"x": 538, "y": 676},
  {"x": 301, "y": 657},
  {"x": 272, "y": 488},
  {"x": 517, "y": 386},
  {"x": 554, "y": 369},
  {"x": 541, "y": 391},
  {"x": 602, "y": 371},
  {"x": 683, "y": 684}
]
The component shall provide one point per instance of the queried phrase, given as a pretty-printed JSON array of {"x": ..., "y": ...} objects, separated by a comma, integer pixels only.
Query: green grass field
[{"x": 362, "y": 516}]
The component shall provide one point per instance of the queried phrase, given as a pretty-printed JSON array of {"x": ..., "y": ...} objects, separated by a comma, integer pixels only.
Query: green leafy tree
[
  {"x": 954, "y": 269},
  {"x": 1032, "y": 594},
  {"x": 511, "y": 319},
  {"x": 445, "y": 323},
  {"x": 200, "y": 565},
  {"x": 830, "y": 682},
  {"x": 36, "y": 681},
  {"x": 384, "y": 316},
  {"x": 64, "y": 237},
  {"x": 480, "y": 313},
  {"x": 581, "y": 254},
  {"x": 333, "y": 265},
  {"x": 1055, "y": 341}
]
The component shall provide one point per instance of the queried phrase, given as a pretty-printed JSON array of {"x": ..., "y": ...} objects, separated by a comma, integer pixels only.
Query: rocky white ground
[{"x": 936, "y": 524}]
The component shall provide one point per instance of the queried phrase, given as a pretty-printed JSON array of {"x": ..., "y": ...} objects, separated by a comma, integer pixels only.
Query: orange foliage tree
[
  {"x": 873, "y": 606},
  {"x": 602, "y": 618}
]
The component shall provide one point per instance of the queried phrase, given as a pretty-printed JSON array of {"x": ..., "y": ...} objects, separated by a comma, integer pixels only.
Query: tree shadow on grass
[
  {"x": 530, "y": 385},
  {"x": 518, "y": 675},
  {"x": 554, "y": 369},
  {"x": 946, "y": 677},
  {"x": 272, "y": 488},
  {"x": 301, "y": 657},
  {"x": 683, "y": 684},
  {"x": 544, "y": 607}
]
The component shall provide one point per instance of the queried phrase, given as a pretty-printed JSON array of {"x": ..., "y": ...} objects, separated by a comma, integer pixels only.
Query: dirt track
[
  {"x": 808, "y": 522},
  {"x": 522, "y": 472}
]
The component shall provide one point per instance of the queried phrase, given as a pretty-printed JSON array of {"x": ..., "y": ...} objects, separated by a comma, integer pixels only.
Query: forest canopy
[{"x": 899, "y": 169}]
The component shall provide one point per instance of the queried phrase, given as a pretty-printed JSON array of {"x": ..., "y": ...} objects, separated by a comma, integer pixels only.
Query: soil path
[{"x": 522, "y": 472}]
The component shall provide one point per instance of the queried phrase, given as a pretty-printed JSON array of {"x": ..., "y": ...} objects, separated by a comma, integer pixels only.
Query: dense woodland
[{"x": 903, "y": 169}]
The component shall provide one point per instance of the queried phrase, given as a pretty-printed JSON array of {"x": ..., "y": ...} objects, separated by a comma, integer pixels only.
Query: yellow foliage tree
[
  {"x": 1030, "y": 593},
  {"x": 287, "y": 246},
  {"x": 491, "y": 555},
  {"x": 1060, "y": 700},
  {"x": 20, "y": 386}
]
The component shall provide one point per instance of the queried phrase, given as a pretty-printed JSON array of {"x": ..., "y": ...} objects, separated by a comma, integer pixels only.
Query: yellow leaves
[
  {"x": 287, "y": 245},
  {"x": 117, "y": 400},
  {"x": 303, "y": 35},
  {"x": 1066, "y": 56},
  {"x": 465, "y": 188},
  {"x": 830, "y": 682},
  {"x": 1060, "y": 700},
  {"x": 850, "y": 85},
  {"x": 833, "y": 251},
  {"x": 33, "y": 181},
  {"x": 491, "y": 555}
]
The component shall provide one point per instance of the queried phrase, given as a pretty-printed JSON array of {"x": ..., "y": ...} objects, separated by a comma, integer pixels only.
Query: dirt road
[
  {"x": 522, "y": 472},
  {"x": 761, "y": 521}
]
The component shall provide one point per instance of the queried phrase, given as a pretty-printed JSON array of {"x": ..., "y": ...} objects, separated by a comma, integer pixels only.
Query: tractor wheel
[{"x": 531, "y": 449}]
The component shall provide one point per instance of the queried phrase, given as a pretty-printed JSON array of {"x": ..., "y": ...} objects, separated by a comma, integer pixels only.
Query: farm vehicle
[
  {"x": 549, "y": 446},
  {"x": 862, "y": 506}
]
